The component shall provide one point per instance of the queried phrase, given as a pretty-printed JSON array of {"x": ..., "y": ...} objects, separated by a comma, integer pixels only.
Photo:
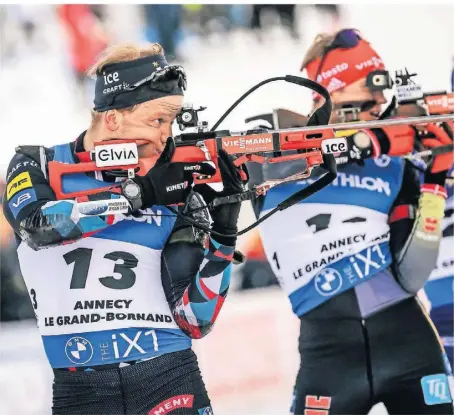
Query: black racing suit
[
  {"x": 117, "y": 298},
  {"x": 352, "y": 258}
]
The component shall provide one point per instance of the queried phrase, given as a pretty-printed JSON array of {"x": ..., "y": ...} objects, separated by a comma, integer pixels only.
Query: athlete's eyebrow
[{"x": 166, "y": 106}]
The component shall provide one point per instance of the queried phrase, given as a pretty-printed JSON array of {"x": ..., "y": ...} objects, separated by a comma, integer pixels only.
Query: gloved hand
[
  {"x": 168, "y": 183},
  {"x": 441, "y": 163},
  {"x": 225, "y": 216},
  {"x": 394, "y": 141},
  {"x": 359, "y": 148}
]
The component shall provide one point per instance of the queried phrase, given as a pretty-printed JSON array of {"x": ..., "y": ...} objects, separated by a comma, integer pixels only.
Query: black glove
[
  {"x": 225, "y": 216},
  {"x": 168, "y": 183},
  {"x": 359, "y": 148},
  {"x": 440, "y": 164}
]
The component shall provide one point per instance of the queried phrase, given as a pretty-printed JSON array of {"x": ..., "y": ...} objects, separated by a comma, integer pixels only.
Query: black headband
[{"x": 124, "y": 84}]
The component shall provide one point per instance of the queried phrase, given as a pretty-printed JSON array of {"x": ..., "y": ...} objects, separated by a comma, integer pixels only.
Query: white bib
[
  {"x": 95, "y": 284},
  {"x": 307, "y": 237}
]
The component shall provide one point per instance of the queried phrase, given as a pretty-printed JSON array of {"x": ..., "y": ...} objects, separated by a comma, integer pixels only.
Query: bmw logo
[
  {"x": 328, "y": 281},
  {"x": 382, "y": 161},
  {"x": 79, "y": 350}
]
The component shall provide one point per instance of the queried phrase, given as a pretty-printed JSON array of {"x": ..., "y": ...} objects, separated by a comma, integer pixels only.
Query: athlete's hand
[
  {"x": 395, "y": 140},
  {"x": 359, "y": 147},
  {"x": 439, "y": 135},
  {"x": 225, "y": 216},
  {"x": 168, "y": 183}
]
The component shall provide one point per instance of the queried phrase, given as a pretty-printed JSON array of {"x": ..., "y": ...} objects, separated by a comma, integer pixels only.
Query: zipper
[{"x": 368, "y": 360}]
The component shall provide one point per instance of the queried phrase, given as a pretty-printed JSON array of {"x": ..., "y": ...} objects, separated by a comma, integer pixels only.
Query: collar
[
  {"x": 83, "y": 156},
  {"x": 77, "y": 147}
]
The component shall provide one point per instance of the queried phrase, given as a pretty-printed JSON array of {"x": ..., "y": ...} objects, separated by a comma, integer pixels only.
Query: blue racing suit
[
  {"x": 114, "y": 291},
  {"x": 351, "y": 259},
  {"x": 439, "y": 288}
]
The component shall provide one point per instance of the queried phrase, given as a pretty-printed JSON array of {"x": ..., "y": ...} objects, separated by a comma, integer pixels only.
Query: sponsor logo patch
[
  {"x": 436, "y": 389},
  {"x": 409, "y": 92},
  {"x": 328, "y": 281},
  {"x": 22, "y": 165},
  {"x": 382, "y": 161},
  {"x": 78, "y": 350},
  {"x": 240, "y": 144},
  {"x": 317, "y": 405},
  {"x": 178, "y": 186},
  {"x": 193, "y": 167},
  {"x": 20, "y": 200},
  {"x": 334, "y": 145},
  {"x": 20, "y": 182},
  {"x": 335, "y": 84},
  {"x": 374, "y": 61},
  {"x": 205, "y": 411},
  {"x": 373, "y": 184},
  {"x": 116, "y": 154},
  {"x": 440, "y": 104},
  {"x": 332, "y": 71},
  {"x": 178, "y": 401},
  {"x": 92, "y": 208},
  {"x": 103, "y": 207}
]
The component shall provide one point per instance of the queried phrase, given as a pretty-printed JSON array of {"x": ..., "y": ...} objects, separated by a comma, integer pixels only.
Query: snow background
[{"x": 37, "y": 104}]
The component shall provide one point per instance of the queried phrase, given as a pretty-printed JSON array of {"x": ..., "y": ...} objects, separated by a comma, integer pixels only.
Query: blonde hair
[
  {"x": 121, "y": 53},
  {"x": 316, "y": 49},
  {"x": 320, "y": 42}
]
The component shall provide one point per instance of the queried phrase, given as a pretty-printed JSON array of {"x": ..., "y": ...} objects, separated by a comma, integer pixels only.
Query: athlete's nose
[
  {"x": 379, "y": 97},
  {"x": 166, "y": 131}
]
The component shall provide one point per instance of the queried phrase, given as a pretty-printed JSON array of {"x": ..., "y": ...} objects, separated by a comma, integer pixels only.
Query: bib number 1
[{"x": 82, "y": 257}]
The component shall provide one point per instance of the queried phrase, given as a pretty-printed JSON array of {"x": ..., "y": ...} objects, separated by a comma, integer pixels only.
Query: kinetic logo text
[{"x": 178, "y": 186}]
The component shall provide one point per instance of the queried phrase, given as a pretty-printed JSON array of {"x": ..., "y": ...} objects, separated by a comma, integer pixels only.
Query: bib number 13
[{"x": 124, "y": 263}]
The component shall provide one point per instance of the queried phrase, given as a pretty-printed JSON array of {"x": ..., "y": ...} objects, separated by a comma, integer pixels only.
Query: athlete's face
[
  {"x": 151, "y": 121},
  {"x": 359, "y": 92}
]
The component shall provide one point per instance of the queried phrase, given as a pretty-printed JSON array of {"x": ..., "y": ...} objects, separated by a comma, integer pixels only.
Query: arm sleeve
[
  {"x": 195, "y": 280},
  {"x": 31, "y": 208},
  {"x": 415, "y": 230}
]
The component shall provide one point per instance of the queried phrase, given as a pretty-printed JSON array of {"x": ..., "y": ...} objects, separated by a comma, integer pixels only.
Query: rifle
[
  {"x": 432, "y": 103},
  {"x": 313, "y": 145},
  {"x": 409, "y": 100}
]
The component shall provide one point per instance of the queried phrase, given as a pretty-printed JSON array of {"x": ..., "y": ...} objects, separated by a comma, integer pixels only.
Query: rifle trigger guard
[{"x": 203, "y": 147}]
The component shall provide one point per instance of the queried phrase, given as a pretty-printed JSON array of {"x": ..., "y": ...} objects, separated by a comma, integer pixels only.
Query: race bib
[
  {"x": 95, "y": 284},
  {"x": 314, "y": 236}
]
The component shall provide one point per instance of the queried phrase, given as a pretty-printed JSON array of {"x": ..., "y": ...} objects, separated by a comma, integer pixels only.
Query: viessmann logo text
[
  {"x": 440, "y": 100},
  {"x": 239, "y": 144}
]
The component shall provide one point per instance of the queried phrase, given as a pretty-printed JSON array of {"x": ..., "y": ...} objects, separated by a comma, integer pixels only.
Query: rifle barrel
[{"x": 373, "y": 124}]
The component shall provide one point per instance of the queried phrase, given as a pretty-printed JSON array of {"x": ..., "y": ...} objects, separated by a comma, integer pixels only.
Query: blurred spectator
[
  {"x": 330, "y": 13},
  {"x": 286, "y": 13},
  {"x": 86, "y": 38},
  {"x": 163, "y": 23},
  {"x": 214, "y": 18},
  {"x": 15, "y": 303},
  {"x": 256, "y": 271},
  {"x": 99, "y": 10},
  {"x": 239, "y": 15},
  {"x": 21, "y": 30}
]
